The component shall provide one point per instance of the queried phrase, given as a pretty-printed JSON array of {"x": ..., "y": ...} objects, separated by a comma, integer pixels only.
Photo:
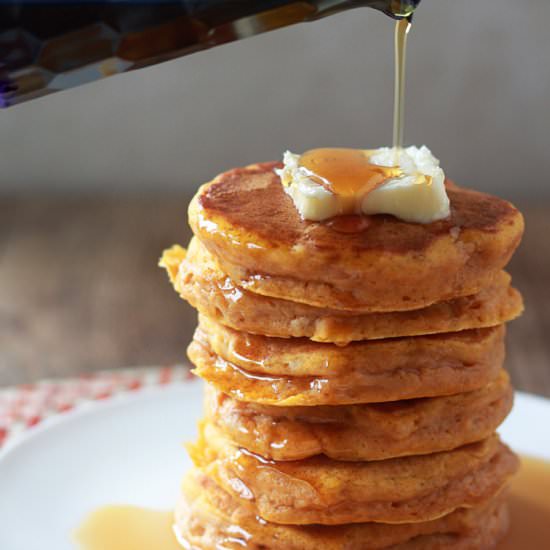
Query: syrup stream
[{"x": 402, "y": 28}]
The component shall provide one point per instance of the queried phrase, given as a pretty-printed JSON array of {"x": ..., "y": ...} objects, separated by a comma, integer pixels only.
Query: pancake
[
  {"x": 328, "y": 492},
  {"x": 198, "y": 279},
  {"x": 245, "y": 219},
  {"x": 344, "y": 389},
  {"x": 302, "y": 357},
  {"x": 207, "y": 517},
  {"x": 362, "y": 432}
]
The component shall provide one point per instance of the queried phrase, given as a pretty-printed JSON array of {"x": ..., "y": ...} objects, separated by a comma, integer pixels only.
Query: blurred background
[{"x": 94, "y": 181}]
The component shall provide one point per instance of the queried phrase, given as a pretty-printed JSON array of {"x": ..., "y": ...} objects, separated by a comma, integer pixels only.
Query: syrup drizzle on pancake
[{"x": 350, "y": 224}]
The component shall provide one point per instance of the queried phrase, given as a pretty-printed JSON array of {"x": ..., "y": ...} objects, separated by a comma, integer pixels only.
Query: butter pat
[
  {"x": 417, "y": 194},
  {"x": 313, "y": 201}
]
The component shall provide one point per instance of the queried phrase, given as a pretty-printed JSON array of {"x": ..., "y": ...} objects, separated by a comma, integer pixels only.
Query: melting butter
[
  {"x": 328, "y": 182},
  {"x": 345, "y": 172}
]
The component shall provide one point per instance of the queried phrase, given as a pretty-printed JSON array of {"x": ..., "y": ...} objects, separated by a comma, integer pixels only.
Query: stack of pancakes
[{"x": 354, "y": 373}]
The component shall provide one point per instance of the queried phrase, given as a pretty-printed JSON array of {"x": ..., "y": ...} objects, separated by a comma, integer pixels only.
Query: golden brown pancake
[
  {"x": 330, "y": 492},
  {"x": 345, "y": 389},
  {"x": 362, "y": 432},
  {"x": 302, "y": 357},
  {"x": 208, "y": 517},
  {"x": 301, "y": 372},
  {"x": 197, "y": 277},
  {"x": 249, "y": 223}
]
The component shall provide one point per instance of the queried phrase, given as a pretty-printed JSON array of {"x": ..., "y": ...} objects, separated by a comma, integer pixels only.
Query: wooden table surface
[{"x": 80, "y": 290}]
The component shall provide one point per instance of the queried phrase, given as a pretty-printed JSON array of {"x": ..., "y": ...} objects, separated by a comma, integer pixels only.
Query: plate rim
[{"x": 86, "y": 407}]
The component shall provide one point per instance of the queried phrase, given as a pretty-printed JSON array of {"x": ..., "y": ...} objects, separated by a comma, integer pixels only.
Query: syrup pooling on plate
[
  {"x": 529, "y": 504},
  {"x": 346, "y": 172},
  {"x": 132, "y": 528},
  {"x": 127, "y": 528}
]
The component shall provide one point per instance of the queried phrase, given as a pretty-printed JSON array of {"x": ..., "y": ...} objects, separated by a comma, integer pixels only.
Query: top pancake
[{"x": 247, "y": 221}]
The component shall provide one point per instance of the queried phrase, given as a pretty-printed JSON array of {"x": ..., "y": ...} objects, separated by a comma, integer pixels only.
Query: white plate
[{"x": 129, "y": 451}]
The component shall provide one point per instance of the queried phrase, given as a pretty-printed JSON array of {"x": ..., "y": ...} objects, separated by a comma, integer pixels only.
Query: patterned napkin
[{"x": 22, "y": 407}]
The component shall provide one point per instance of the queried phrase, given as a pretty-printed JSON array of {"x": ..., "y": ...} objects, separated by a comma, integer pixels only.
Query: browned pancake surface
[
  {"x": 252, "y": 199},
  {"x": 245, "y": 218}
]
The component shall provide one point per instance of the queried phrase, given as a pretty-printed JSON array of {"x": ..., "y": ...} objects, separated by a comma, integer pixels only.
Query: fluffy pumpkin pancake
[
  {"x": 357, "y": 386},
  {"x": 208, "y": 517},
  {"x": 302, "y": 357},
  {"x": 362, "y": 432},
  {"x": 198, "y": 279},
  {"x": 325, "y": 491},
  {"x": 247, "y": 220}
]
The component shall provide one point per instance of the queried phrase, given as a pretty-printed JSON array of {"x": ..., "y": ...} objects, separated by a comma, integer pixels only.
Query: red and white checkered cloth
[{"x": 22, "y": 407}]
